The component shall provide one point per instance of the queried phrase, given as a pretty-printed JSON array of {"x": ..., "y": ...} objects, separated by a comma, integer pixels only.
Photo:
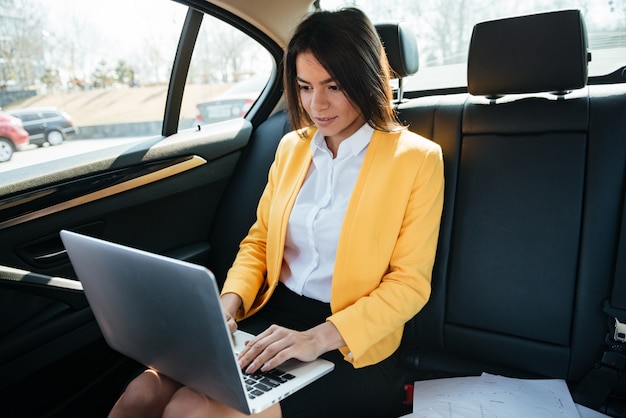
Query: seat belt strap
[{"x": 618, "y": 297}]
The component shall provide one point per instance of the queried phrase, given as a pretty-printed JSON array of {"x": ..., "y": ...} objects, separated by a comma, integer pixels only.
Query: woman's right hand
[
  {"x": 232, "y": 324},
  {"x": 231, "y": 303}
]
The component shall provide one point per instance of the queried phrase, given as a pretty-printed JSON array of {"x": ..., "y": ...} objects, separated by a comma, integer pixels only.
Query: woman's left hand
[{"x": 277, "y": 344}]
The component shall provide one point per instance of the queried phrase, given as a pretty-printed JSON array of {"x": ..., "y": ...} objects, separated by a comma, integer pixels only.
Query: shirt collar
[{"x": 349, "y": 147}]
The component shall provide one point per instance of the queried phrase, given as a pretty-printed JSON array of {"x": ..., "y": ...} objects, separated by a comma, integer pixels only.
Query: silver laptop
[{"x": 166, "y": 314}]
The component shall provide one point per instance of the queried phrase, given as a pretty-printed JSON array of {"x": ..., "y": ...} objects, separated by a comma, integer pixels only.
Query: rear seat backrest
[
  {"x": 518, "y": 214},
  {"x": 514, "y": 288}
]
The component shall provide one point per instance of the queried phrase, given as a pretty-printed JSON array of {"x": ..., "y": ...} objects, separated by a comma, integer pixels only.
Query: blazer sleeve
[
  {"x": 247, "y": 275},
  {"x": 254, "y": 273}
]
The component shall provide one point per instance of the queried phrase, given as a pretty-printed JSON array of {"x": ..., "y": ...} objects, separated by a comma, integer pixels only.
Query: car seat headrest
[
  {"x": 544, "y": 52},
  {"x": 401, "y": 48}
]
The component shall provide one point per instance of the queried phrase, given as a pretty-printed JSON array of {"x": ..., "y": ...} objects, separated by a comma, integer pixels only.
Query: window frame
[{"x": 267, "y": 101}]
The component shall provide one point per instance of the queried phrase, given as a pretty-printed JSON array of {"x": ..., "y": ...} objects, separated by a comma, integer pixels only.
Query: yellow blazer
[{"x": 386, "y": 246}]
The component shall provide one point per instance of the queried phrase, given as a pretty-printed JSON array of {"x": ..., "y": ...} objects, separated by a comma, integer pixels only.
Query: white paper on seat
[{"x": 491, "y": 396}]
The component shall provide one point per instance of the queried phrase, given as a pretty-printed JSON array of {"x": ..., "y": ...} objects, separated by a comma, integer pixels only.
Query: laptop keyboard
[{"x": 260, "y": 382}]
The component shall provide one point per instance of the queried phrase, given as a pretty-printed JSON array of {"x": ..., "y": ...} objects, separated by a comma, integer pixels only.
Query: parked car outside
[
  {"x": 233, "y": 103},
  {"x": 12, "y": 136},
  {"x": 49, "y": 125}
]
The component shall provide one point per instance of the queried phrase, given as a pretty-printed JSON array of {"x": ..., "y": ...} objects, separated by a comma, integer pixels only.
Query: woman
[{"x": 342, "y": 251}]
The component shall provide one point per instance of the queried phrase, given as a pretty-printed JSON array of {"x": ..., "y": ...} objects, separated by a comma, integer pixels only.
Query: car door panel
[
  {"x": 52, "y": 310},
  {"x": 160, "y": 197},
  {"x": 47, "y": 335},
  {"x": 168, "y": 191}
]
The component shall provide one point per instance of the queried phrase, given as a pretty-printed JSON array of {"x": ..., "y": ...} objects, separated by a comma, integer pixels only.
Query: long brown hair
[{"x": 347, "y": 45}]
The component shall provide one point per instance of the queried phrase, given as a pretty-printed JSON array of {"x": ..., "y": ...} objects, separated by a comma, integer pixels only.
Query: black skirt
[{"x": 375, "y": 391}]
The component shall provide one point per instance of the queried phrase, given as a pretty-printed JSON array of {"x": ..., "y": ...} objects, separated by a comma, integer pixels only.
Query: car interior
[{"x": 530, "y": 274}]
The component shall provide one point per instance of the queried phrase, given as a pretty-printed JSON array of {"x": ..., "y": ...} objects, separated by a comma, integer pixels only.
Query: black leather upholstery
[{"x": 528, "y": 54}]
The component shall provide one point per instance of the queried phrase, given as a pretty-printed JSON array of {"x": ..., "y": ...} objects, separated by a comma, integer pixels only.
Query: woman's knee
[
  {"x": 187, "y": 403},
  {"x": 146, "y": 395}
]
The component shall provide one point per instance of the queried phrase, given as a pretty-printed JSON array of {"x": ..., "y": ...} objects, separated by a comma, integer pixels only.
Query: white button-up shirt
[{"x": 317, "y": 216}]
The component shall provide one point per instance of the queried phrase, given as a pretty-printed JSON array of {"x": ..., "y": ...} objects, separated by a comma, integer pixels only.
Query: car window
[
  {"x": 107, "y": 87},
  {"x": 100, "y": 75},
  {"x": 443, "y": 37},
  {"x": 227, "y": 74}
]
